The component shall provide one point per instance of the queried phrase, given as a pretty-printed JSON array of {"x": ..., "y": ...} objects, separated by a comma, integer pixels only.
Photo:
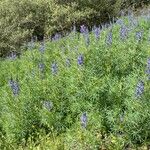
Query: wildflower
[
  {"x": 138, "y": 36},
  {"x": 139, "y": 89},
  {"x": 123, "y": 32},
  {"x": 56, "y": 37},
  {"x": 84, "y": 30},
  {"x": 48, "y": 105},
  {"x": 120, "y": 22},
  {"x": 148, "y": 68},
  {"x": 14, "y": 86},
  {"x": 109, "y": 38},
  {"x": 97, "y": 32},
  {"x": 54, "y": 68},
  {"x": 80, "y": 59},
  {"x": 84, "y": 120}
]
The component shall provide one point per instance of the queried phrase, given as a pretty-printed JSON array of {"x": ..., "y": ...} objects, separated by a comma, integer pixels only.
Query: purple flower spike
[
  {"x": 148, "y": 69},
  {"x": 123, "y": 32},
  {"x": 80, "y": 59},
  {"x": 139, "y": 89},
  {"x": 54, "y": 68},
  {"x": 120, "y": 22},
  {"x": 14, "y": 86},
  {"x": 56, "y": 37},
  {"x": 138, "y": 36},
  {"x": 83, "y": 29},
  {"x": 84, "y": 120},
  {"x": 97, "y": 32},
  {"x": 48, "y": 105}
]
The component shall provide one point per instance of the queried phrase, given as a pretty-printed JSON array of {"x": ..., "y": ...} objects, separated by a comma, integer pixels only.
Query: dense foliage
[
  {"x": 19, "y": 20},
  {"x": 26, "y": 18},
  {"x": 135, "y": 3},
  {"x": 83, "y": 91}
]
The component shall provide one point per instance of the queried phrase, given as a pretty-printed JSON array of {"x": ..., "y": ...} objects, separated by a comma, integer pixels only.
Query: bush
[
  {"x": 19, "y": 20},
  {"x": 135, "y": 3}
]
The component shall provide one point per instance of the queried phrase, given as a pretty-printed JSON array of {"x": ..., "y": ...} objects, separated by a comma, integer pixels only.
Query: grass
[{"x": 45, "y": 92}]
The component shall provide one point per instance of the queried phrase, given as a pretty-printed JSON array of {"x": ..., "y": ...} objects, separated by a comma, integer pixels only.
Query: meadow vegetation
[{"x": 83, "y": 91}]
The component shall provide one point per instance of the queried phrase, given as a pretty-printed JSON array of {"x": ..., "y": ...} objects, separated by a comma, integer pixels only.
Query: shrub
[
  {"x": 136, "y": 3},
  {"x": 19, "y": 20}
]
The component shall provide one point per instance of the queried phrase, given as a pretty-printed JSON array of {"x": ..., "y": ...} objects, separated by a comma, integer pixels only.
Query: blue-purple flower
[
  {"x": 123, "y": 32},
  {"x": 80, "y": 59},
  {"x": 56, "y": 37},
  {"x": 120, "y": 22},
  {"x": 139, "y": 35},
  {"x": 84, "y": 120},
  {"x": 48, "y": 105},
  {"x": 14, "y": 87},
  {"x": 148, "y": 68},
  {"x": 139, "y": 89},
  {"x": 84, "y": 30},
  {"x": 97, "y": 32},
  {"x": 54, "y": 68}
]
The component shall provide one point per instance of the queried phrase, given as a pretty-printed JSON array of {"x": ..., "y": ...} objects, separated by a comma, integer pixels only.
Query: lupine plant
[
  {"x": 48, "y": 105},
  {"x": 138, "y": 36},
  {"x": 123, "y": 32},
  {"x": 14, "y": 87},
  {"x": 84, "y": 30},
  {"x": 96, "y": 31},
  {"x": 54, "y": 68},
  {"x": 148, "y": 68},
  {"x": 84, "y": 120},
  {"x": 80, "y": 60},
  {"x": 96, "y": 88},
  {"x": 139, "y": 89}
]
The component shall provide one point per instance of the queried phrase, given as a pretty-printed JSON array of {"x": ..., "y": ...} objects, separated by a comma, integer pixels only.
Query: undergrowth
[{"x": 85, "y": 91}]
